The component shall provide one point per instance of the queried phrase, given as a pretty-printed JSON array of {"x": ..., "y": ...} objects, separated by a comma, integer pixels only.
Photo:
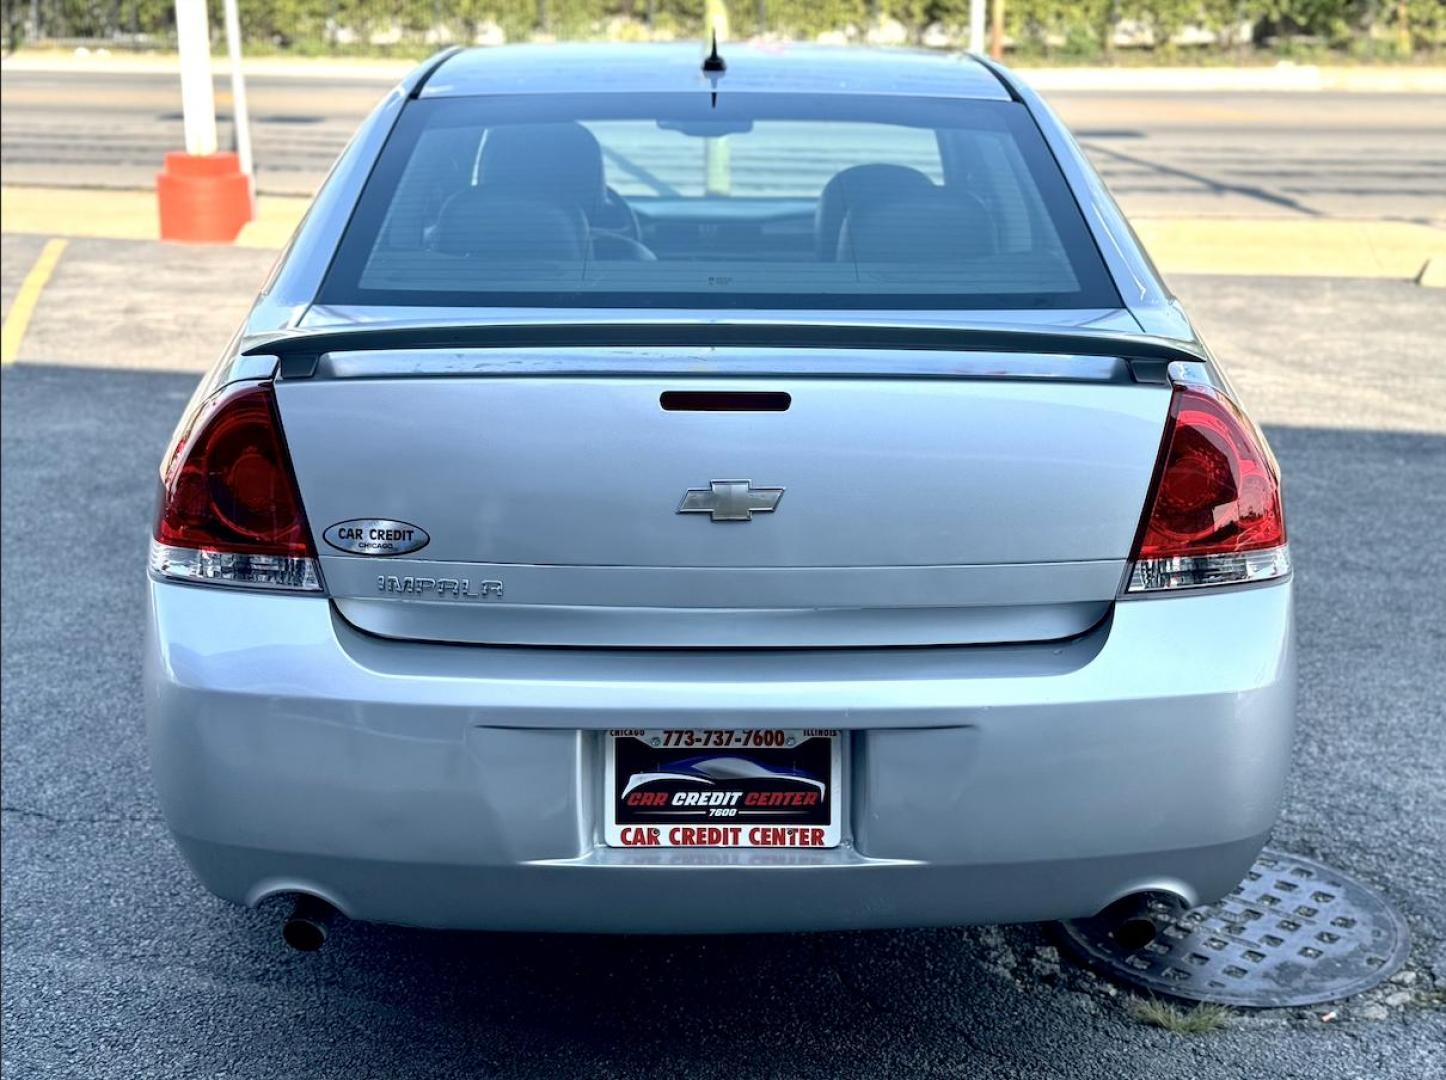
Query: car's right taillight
[
  {"x": 230, "y": 512},
  {"x": 1214, "y": 513}
]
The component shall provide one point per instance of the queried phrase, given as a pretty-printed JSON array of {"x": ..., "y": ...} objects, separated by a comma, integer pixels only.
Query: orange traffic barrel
[{"x": 204, "y": 198}]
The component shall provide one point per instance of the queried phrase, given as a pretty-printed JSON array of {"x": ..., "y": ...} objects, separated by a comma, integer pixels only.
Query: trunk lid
[{"x": 643, "y": 498}]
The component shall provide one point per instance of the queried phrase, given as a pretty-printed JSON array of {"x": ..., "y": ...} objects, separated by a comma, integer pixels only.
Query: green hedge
[{"x": 1063, "y": 27}]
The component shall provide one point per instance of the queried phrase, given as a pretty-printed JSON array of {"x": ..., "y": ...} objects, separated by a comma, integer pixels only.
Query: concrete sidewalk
[
  {"x": 1320, "y": 247},
  {"x": 1283, "y": 77},
  {"x": 128, "y": 215}
]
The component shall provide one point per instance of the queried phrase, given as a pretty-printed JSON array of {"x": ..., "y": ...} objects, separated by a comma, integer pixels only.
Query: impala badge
[{"x": 731, "y": 500}]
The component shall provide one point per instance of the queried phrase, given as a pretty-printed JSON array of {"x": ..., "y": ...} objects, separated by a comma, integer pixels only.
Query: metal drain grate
[{"x": 1292, "y": 933}]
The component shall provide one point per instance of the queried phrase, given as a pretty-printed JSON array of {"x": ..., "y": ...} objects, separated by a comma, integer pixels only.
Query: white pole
[
  {"x": 198, "y": 100},
  {"x": 240, "y": 114},
  {"x": 976, "y": 25}
]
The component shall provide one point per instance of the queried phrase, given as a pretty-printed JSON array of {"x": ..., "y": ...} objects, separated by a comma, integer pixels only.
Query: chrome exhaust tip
[{"x": 1136, "y": 918}]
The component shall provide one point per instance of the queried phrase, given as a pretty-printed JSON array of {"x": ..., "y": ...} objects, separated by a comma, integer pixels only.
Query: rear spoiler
[{"x": 1147, "y": 357}]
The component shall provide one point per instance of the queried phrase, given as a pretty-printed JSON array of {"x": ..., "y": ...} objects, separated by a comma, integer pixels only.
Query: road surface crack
[{"x": 98, "y": 819}]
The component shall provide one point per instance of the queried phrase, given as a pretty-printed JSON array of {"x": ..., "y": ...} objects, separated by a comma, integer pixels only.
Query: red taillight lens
[
  {"x": 229, "y": 485},
  {"x": 1217, "y": 489},
  {"x": 1215, "y": 501},
  {"x": 230, "y": 510}
]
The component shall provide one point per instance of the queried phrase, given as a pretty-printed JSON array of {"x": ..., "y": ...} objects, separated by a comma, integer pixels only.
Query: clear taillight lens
[
  {"x": 1214, "y": 515},
  {"x": 230, "y": 512}
]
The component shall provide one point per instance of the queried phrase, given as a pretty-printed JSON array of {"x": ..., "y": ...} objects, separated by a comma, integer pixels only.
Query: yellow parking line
[{"x": 13, "y": 332}]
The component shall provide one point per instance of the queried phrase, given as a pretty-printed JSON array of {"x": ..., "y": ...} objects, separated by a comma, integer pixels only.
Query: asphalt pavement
[
  {"x": 117, "y": 964},
  {"x": 1307, "y": 156}
]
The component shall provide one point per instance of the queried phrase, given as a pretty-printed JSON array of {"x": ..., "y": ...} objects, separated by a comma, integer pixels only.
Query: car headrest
[
  {"x": 857, "y": 186},
  {"x": 504, "y": 227},
  {"x": 938, "y": 227},
  {"x": 560, "y": 162}
]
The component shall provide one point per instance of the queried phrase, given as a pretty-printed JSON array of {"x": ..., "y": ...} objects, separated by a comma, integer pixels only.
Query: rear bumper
[{"x": 460, "y": 786}]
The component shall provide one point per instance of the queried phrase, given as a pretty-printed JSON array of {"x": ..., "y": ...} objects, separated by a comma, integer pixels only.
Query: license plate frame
[{"x": 750, "y": 788}]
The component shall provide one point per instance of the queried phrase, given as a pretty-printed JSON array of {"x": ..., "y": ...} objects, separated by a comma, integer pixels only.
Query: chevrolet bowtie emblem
[{"x": 730, "y": 500}]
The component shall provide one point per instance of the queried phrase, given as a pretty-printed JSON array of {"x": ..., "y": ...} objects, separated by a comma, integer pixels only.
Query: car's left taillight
[{"x": 230, "y": 512}]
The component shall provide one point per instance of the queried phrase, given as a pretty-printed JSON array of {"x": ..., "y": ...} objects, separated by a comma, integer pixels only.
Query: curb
[
  {"x": 1282, "y": 77},
  {"x": 169, "y": 64}
]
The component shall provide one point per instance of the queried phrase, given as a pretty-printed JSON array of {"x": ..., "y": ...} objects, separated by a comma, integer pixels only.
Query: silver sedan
[{"x": 677, "y": 493}]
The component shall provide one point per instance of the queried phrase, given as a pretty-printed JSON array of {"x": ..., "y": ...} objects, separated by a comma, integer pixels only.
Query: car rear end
[{"x": 800, "y": 570}]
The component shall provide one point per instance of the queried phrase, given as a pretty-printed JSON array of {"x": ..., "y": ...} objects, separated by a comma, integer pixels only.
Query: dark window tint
[{"x": 755, "y": 200}]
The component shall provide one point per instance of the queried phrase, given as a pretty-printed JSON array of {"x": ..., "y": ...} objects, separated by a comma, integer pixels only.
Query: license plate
[{"x": 776, "y": 788}]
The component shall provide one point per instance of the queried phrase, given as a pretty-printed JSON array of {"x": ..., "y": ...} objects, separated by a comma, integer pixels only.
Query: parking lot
[{"x": 117, "y": 964}]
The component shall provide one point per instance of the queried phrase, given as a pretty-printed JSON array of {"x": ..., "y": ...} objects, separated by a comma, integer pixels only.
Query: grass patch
[{"x": 1182, "y": 1020}]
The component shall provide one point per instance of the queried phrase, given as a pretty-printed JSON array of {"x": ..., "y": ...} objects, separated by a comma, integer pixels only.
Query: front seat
[
  {"x": 562, "y": 163},
  {"x": 508, "y": 228},
  {"x": 940, "y": 226},
  {"x": 857, "y": 186}
]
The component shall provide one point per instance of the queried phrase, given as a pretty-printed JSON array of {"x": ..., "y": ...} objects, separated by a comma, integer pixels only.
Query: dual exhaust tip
[{"x": 1136, "y": 922}]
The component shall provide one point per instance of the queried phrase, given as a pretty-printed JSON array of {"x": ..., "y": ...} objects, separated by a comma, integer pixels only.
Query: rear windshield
[{"x": 743, "y": 201}]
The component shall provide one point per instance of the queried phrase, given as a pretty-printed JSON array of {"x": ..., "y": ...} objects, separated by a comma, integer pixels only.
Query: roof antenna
[{"x": 713, "y": 63}]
